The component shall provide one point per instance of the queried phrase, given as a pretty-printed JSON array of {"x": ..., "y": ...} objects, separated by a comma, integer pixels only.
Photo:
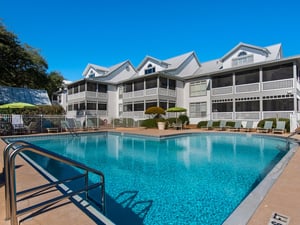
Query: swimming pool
[{"x": 185, "y": 179}]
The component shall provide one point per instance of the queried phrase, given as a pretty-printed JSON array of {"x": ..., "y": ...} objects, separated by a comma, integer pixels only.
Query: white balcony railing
[
  {"x": 247, "y": 115},
  {"x": 278, "y": 84},
  {"x": 246, "y": 88},
  {"x": 222, "y": 90},
  {"x": 149, "y": 92},
  {"x": 222, "y": 115},
  {"x": 136, "y": 115},
  {"x": 88, "y": 95}
]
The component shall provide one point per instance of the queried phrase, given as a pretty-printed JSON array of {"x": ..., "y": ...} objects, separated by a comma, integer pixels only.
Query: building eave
[{"x": 249, "y": 66}]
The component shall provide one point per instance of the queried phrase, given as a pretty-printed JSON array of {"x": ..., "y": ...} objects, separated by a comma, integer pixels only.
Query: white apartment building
[{"x": 247, "y": 83}]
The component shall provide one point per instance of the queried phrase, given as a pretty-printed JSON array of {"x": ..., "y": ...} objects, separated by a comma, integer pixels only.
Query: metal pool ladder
[{"x": 9, "y": 155}]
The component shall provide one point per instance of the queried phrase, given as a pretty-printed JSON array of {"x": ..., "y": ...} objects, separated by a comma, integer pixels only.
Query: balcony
[
  {"x": 88, "y": 95},
  {"x": 278, "y": 84},
  {"x": 222, "y": 91},
  {"x": 247, "y": 88},
  {"x": 149, "y": 92}
]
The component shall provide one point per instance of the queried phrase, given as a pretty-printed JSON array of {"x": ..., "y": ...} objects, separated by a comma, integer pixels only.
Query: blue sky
[{"x": 70, "y": 34}]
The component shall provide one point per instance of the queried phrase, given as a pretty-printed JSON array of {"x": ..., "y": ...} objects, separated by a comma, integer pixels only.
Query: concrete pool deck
[{"x": 282, "y": 198}]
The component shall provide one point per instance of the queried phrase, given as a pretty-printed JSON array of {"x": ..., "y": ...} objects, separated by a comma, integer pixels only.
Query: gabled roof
[
  {"x": 240, "y": 45},
  {"x": 210, "y": 66},
  {"x": 177, "y": 61},
  {"x": 171, "y": 63},
  {"x": 117, "y": 66},
  {"x": 106, "y": 70},
  {"x": 95, "y": 67},
  {"x": 155, "y": 60},
  {"x": 275, "y": 50}
]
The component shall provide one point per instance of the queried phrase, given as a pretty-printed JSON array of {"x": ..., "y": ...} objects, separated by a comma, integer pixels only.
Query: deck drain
[{"x": 279, "y": 219}]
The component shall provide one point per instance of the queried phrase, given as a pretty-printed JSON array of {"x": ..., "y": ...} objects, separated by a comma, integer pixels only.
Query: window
[
  {"x": 163, "y": 104},
  {"x": 75, "y": 89},
  {"x": 120, "y": 109},
  {"x": 198, "y": 88},
  {"x": 172, "y": 104},
  {"x": 102, "y": 106},
  {"x": 70, "y": 90},
  {"x": 285, "y": 104},
  {"x": 127, "y": 107},
  {"x": 91, "y": 106},
  {"x": 247, "y": 106},
  {"x": 222, "y": 107},
  {"x": 150, "y": 69},
  {"x": 82, "y": 87},
  {"x": 82, "y": 106},
  {"x": 76, "y": 107},
  {"x": 242, "y": 60},
  {"x": 247, "y": 77},
  {"x": 120, "y": 91},
  {"x": 222, "y": 81},
  {"x": 70, "y": 107},
  {"x": 128, "y": 87},
  {"x": 163, "y": 82},
  {"x": 198, "y": 109},
  {"x": 172, "y": 84},
  {"x": 278, "y": 72},
  {"x": 151, "y": 82},
  {"x": 139, "y": 85},
  {"x": 138, "y": 106},
  {"x": 150, "y": 104},
  {"x": 242, "y": 53},
  {"x": 102, "y": 88},
  {"x": 91, "y": 87}
]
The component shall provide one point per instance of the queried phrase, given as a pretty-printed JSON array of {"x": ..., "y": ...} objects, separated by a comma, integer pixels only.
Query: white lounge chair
[
  {"x": 237, "y": 126},
  {"x": 248, "y": 127},
  {"x": 17, "y": 123},
  {"x": 267, "y": 127},
  {"x": 280, "y": 127},
  {"x": 222, "y": 126},
  {"x": 209, "y": 125}
]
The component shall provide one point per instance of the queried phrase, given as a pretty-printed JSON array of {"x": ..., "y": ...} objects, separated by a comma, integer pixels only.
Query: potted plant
[
  {"x": 161, "y": 123},
  {"x": 157, "y": 113}
]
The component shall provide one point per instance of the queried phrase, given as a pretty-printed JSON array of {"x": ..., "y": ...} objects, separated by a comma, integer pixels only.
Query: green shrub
[
  {"x": 230, "y": 124},
  {"x": 184, "y": 118},
  {"x": 202, "y": 124},
  {"x": 149, "y": 123}
]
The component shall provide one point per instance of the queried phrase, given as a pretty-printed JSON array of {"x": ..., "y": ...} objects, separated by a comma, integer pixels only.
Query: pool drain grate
[{"x": 279, "y": 219}]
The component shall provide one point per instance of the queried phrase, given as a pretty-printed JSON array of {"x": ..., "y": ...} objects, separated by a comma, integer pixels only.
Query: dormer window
[
  {"x": 91, "y": 74},
  {"x": 150, "y": 69},
  {"x": 243, "y": 53},
  {"x": 242, "y": 59}
]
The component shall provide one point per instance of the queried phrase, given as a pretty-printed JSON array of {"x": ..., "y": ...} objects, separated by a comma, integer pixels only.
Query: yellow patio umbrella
[
  {"x": 17, "y": 105},
  {"x": 176, "y": 110}
]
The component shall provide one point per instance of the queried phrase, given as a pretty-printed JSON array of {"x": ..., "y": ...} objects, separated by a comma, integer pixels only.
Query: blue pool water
[{"x": 186, "y": 179}]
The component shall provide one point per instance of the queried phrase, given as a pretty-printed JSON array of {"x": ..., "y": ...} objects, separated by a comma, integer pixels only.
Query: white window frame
[
  {"x": 198, "y": 88},
  {"x": 198, "y": 109}
]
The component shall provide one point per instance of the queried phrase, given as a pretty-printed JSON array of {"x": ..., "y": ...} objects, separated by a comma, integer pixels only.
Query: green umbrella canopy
[
  {"x": 16, "y": 105},
  {"x": 176, "y": 109}
]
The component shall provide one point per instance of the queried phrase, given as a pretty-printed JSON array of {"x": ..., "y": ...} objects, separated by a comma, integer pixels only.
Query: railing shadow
[{"x": 124, "y": 209}]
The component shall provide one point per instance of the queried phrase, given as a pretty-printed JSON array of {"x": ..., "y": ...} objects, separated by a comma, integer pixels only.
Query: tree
[
  {"x": 155, "y": 111},
  {"x": 21, "y": 65},
  {"x": 55, "y": 81}
]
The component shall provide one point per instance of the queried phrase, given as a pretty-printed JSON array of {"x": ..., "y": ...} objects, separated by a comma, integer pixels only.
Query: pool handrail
[{"x": 10, "y": 181}]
